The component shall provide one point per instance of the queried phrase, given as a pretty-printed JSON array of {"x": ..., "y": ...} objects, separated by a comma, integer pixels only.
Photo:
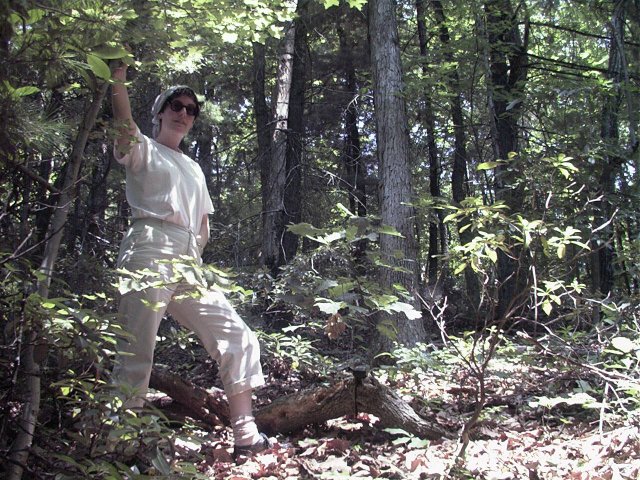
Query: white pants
[{"x": 214, "y": 320}]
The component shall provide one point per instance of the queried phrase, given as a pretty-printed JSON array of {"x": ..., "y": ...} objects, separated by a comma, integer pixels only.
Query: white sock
[{"x": 245, "y": 430}]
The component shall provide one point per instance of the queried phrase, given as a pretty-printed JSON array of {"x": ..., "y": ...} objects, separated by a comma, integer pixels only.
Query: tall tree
[
  {"x": 437, "y": 231},
  {"x": 603, "y": 258},
  {"x": 352, "y": 159},
  {"x": 507, "y": 65},
  {"x": 399, "y": 252},
  {"x": 295, "y": 137},
  {"x": 459, "y": 175},
  {"x": 273, "y": 209}
]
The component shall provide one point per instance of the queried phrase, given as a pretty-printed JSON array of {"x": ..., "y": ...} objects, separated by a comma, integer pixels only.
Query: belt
[{"x": 165, "y": 223}]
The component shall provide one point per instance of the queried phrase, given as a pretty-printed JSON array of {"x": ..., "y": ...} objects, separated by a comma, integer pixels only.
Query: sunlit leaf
[
  {"x": 624, "y": 344},
  {"x": 406, "y": 308},
  {"x": 98, "y": 67},
  {"x": 230, "y": 37},
  {"x": 487, "y": 165}
]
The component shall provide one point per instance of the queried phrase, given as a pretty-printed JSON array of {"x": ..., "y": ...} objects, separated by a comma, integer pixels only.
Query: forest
[{"x": 424, "y": 209}]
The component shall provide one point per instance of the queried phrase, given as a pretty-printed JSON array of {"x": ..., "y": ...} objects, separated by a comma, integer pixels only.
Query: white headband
[{"x": 159, "y": 103}]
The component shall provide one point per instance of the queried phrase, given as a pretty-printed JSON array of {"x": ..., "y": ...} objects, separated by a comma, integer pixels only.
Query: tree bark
[
  {"x": 507, "y": 74},
  {"x": 261, "y": 112},
  {"x": 603, "y": 246},
  {"x": 399, "y": 253},
  {"x": 459, "y": 175},
  {"x": 209, "y": 406},
  {"x": 295, "y": 138},
  {"x": 273, "y": 215},
  {"x": 352, "y": 159},
  {"x": 437, "y": 240}
]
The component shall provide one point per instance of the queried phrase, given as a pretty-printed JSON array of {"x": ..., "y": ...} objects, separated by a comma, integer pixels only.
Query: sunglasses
[{"x": 177, "y": 106}]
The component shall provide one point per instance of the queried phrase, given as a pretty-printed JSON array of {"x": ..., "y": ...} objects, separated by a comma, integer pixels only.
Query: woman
[{"x": 170, "y": 203}]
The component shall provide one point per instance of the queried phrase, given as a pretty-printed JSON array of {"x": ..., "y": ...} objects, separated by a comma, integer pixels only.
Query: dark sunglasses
[{"x": 177, "y": 106}]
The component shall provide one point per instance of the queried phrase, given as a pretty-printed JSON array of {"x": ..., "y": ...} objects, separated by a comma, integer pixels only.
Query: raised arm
[{"x": 122, "y": 110}]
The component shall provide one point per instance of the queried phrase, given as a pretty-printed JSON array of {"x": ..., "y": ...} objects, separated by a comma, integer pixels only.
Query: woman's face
[{"x": 178, "y": 115}]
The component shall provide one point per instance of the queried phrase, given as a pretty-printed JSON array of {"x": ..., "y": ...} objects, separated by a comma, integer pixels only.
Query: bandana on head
[{"x": 159, "y": 103}]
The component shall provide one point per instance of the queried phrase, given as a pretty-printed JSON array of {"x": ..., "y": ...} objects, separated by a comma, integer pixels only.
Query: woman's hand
[{"x": 118, "y": 70}]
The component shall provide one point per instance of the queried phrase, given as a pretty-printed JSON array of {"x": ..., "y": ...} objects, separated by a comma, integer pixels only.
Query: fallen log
[
  {"x": 315, "y": 405},
  {"x": 346, "y": 396}
]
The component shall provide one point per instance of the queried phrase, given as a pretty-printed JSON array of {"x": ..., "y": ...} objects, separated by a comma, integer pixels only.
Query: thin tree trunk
[
  {"x": 436, "y": 222},
  {"x": 459, "y": 175},
  {"x": 351, "y": 158},
  {"x": 399, "y": 253},
  {"x": 19, "y": 454},
  {"x": 508, "y": 71},
  {"x": 273, "y": 215},
  {"x": 261, "y": 112},
  {"x": 295, "y": 144},
  {"x": 604, "y": 252},
  {"x": 351, "y": 153}
]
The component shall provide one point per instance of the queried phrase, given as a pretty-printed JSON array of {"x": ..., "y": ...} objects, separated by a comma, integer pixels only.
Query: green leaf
[
  {"x": 345, "y": 211},
  {"x": 389, "y": 230},
  {"x": 109, "y": 52},
  {"x": 161, "y": 463},
  {"x": 357, "y": 4},
  {"x": 491, "y": 253},
  {"x": 328, "y": 306},
  {"x": 24, "y": 91},
  {"x": 487, "y": 165},
  {"x": 547, "y": 307},
  {"x": 460, "y": 268},
  {"x": 388, "y": 330},
  {"x": 305, "y": 230},
  {"x": 98, "y": 67},
  {"x": 341, "y": 289}
]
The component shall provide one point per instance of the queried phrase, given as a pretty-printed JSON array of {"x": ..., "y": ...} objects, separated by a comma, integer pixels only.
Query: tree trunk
[
  {"x": 352, "y": 159},
  {"x": 603, "y": 256},
  {"x": 261, "y": 112},
  {"x": 273, "y": 219},
  {"x": 19, "y": 454},
  {"x": 459, "y": 175},
  {"x": 295, "y": 138},
  {"x": 436, "y": 222},
  {"x": 399, "y": 253},
  {"x": 507, "y": 74}
]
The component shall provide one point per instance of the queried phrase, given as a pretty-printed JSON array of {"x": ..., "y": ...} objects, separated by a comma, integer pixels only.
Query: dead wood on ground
[{"x": 315, "y": 405}]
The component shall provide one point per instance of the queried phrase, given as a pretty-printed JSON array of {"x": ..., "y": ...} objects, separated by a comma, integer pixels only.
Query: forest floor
[{"x": 542, "y": 419}]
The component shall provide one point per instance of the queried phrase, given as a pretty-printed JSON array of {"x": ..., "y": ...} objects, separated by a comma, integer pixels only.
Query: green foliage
[
  {"x": 406, "y": 438},
  {"x": 356, "y": 294},
  {"x": 296, "y": 351}
]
